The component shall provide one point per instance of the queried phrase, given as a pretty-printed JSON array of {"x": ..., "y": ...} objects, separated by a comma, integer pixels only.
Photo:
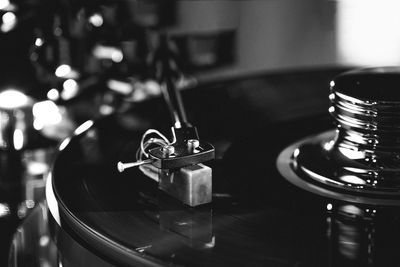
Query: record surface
[{"x": 256, "y": 218}]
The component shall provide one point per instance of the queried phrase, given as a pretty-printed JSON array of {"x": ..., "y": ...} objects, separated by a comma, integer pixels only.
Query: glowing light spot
[
  {"x": 30, "y": 204},
  {"x": 9, "y": 21},
  {"x": 210, "y": 244},
  {"x": 368, "y": 32},
  {"x": 45, "y": 113},
  {"x": 11, "y": 99},
  {"x": 329, "y": 145},
  {"x": 9, "y": 17},
  {"x": 4, "y": 4},
  {"x": 120, "y": 86},
  {"x": 63, "y": 70},
  {"x": 332, "y": 83},
  {"x": 152, "y": 87},
  {"x": 70, "y": 89},
  {"x": 37, "y": 168},
  {"x": 44, "y": 240},
  {"x": 356, "y": 138},
  {"x": 83, "y": 127},
  {"x": 39, "y": 42},
  {"x": 108, "y": 52},
  {"x": 53, "y": 94},
  {"x": 139, "y": 95},
  {"x": 351, "y": 209},
  {"x": 317, "y": 176},
  {"x": 47, "y": 110},
  {"x": 356, "y": 170},
  {"x": 38, "y": 125},
  {"x": 4, "y": 210},
  {"x": 64, "y": 144},
  {"x": 296, "y": 152},
  {"x": 329, "y": 206},
  {"x": 106, "y": 110},
  {"x": 51, "y": 200},
  {"x": 96, "y": 20},
  {"x": 117, "y": 56},
  {"x": 18, "y": 139},
  {"x": 352, "y": 154},
  {"x": 142, "y": 249},
  {"x": 352, "y": 179}
]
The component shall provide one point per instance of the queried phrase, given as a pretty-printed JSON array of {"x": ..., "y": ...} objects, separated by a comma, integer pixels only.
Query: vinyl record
[{"x": 256, "y": 218}]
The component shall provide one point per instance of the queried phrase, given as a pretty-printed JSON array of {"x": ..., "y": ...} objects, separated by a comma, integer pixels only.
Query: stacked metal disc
[{"x": 361, "y": 157}]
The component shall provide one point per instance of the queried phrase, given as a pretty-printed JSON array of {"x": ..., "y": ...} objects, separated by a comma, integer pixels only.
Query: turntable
[
  {"x": 261, "y": 213},
  {"x": 262, "y": 180}
]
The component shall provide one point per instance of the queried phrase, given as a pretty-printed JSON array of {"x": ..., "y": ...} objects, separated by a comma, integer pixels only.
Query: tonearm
[{"x": 177, "y": 163}]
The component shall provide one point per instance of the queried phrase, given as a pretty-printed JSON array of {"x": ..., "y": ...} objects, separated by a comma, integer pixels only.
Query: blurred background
[
  {"x": 281, "y": 35},
  {"x": 238, "y": 37}
]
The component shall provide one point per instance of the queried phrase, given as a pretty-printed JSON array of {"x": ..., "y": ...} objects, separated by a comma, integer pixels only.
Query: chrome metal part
[
  {"x": 362, "y": 156},
  {"x": 168, "y": 150},
  {"x": 321, "y": 185},
  {"x": 123, "y": 166},
  {"x": 193, "y": 144}
]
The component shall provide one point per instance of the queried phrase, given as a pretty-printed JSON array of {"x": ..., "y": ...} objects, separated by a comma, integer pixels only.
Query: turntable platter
[{"x": 256, "y": 218}]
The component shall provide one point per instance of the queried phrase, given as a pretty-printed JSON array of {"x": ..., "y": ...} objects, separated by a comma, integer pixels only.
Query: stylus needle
[{"x": 123, "y": 166}]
